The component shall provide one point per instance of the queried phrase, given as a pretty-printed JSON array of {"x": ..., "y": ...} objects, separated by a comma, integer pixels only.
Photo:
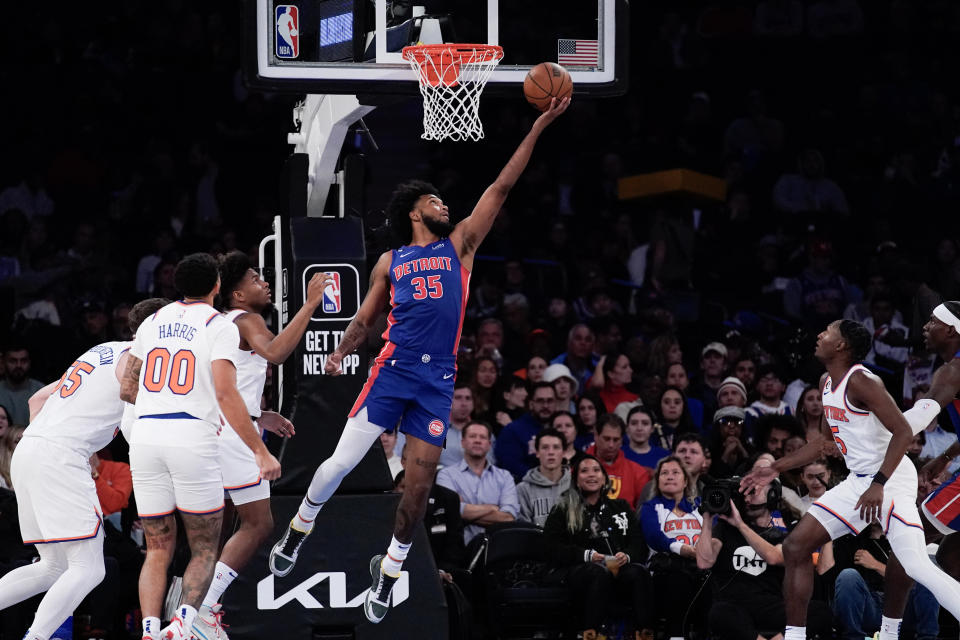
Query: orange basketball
[{"x": 546, "y": 80}]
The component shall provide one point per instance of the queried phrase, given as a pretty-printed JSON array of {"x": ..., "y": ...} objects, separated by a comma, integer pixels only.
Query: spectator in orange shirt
[
  {"x": 114, "y": 483},
  {"x": 627, "y": 478}
]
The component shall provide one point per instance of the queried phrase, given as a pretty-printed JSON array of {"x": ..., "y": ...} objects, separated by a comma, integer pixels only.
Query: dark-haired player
[
  {"x": 942, "y": 507},
  {"x": 426, "y": 282},
  {"x": 56, "y": 496},
  {"x": 873, "y": 436},
  {"x": 244, "y": 295},
  {"x": 181, "y": 370}
]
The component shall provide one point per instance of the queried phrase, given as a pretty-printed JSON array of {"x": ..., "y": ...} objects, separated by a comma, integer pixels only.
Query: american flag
[{"x": 578, "y": 52}]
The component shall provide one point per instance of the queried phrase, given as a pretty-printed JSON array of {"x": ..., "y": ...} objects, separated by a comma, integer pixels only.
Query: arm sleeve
[
  {"x": 559, "y": 540},
  {"x": 650, "y": 524},
  {"x": 508, "y": 495}
]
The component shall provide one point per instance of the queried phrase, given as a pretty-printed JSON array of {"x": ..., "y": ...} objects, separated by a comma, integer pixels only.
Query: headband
[{"x": 944, "y": 315}]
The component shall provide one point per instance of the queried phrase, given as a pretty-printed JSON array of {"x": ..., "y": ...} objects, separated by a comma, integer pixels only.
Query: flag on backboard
[{"x": 578, "y": 52}]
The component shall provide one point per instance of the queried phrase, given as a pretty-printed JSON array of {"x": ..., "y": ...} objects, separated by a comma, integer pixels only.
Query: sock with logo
[
  {"x": 396, "y": 554},
  {"x": 187, "y": 614},
  {"x": 222, "y": 577},
  {"x": 890, "y": 628},
  {"x": 795, "y": 633},
  {"x": 151, "y": 627}
]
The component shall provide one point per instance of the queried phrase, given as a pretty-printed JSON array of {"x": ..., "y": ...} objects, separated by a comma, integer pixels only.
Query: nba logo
[
  {"x": 288, "y": 31},
  {"x": 331, "y": 294}
]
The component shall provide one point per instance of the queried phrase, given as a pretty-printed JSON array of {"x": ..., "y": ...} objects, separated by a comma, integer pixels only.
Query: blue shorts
[{"x": 411, "y": 391}]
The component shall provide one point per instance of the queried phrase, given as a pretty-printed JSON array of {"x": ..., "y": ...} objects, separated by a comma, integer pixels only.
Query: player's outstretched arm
[
  {"x": 473, "y": 229},
  {"x": 943, "y": 389},
  {"x": 373, "y": 303},
  {"x": 235, "y": 411},
  {"x": 276, "y": 349}
]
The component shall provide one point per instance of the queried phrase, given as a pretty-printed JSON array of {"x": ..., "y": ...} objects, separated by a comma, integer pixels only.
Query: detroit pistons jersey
[
  {"x": 177, "y": 346},
  {"x": 84, "y": 410},
  {"x": 251, "y": 372},
  {"x": 859, "y": 434},
  {"x": 428, "y": 295}
]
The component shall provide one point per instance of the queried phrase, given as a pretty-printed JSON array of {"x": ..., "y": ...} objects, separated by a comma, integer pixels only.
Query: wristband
[{"x": 880, "y": 479}]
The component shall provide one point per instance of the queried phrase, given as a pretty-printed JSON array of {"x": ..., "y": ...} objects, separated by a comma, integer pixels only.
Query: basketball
[{"x": 547, "y": 80}]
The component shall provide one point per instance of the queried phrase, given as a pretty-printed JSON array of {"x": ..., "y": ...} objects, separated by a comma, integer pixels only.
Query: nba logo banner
[
  {"x": 341, "y": 296},
  {"x": 331, "y": 295},
  {"x": 288, "y": 31}
]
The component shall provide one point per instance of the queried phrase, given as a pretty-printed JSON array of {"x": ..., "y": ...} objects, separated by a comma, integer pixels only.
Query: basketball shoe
[
  {"x": 377, "y": 603},
  {"x": 208, "y": 624},
  {"x": 174, "y": 630},
  {"x": 283, "y": 555}
]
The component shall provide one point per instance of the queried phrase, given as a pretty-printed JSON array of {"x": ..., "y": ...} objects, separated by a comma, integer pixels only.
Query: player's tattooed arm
[
  {"x": 373, "y": 304},
  {"x": 131, "y": 379}
]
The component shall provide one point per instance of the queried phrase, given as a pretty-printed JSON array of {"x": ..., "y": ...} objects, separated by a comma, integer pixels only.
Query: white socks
[
  {"x": 795, "y": 633},
  {"x": 396, "y": 554},
  {"x": 187, "y": 614},
  {"x": 222, "y": 577},
  {"x": 151, "y": 628},
  {"x": 306, "y": 514},
  {"x": 890, "y": 628}
]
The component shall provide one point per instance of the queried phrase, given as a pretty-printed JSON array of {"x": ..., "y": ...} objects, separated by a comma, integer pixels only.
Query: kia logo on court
[
  {"x": 341, "y": 298},
  {"x": 267, "y": 598}
]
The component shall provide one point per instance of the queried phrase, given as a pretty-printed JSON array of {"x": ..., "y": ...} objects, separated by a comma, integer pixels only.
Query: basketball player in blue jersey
[
  {"x": 942, "y": 507},
  {"x": 411, "y": 382}
]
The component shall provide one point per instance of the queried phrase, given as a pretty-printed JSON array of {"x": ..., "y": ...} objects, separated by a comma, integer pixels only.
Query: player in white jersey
[
  {"x": 56, "y": 497},
  {"x": 181, "y": 367},
  {"x": 244, "y": 296},
  {"x": 873, "y": 436}
]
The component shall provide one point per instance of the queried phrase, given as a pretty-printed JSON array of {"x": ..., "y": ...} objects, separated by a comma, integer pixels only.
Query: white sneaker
[
  {"x": 207, "y": 625},
  {"x": 174, "y": 630}
]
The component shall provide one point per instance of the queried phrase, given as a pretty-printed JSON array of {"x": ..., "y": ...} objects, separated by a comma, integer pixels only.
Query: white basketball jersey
[
  {"x": 251, "y": 372},
  {"x": 177, "y": 346},
  {"x": 84, "y": 411},
  {"x": 859, "y": 434}
]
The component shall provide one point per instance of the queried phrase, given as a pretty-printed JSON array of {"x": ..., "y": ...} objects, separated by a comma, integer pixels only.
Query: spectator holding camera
[
  {"x": 596, "y": 542},
  {"x": 745, "y": 554},
  {"x": 671, "y": 528}
]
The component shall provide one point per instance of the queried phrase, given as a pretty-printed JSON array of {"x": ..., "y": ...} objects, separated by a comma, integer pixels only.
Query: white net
[{"x": 452, "y": 77}]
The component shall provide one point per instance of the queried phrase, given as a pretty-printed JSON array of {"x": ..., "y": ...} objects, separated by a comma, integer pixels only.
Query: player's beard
[{"x": 438, "y": 227}]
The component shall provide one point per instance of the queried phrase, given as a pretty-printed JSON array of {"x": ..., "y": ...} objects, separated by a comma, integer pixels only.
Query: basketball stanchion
[{"x": 452, "y": 77}]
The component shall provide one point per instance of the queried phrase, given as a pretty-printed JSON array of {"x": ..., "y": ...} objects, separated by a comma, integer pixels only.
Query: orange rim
[{"x": 448, "y": 58}]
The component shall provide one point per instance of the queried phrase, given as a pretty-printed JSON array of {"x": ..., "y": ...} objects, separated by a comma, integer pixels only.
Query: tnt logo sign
[
  {"x": 288, "y": 31},
  {"x": 331, "y": 295},
  {"x": 341, "y": 297}
]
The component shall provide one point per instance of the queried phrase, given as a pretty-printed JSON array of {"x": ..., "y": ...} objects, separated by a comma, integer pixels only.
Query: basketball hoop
[{"x": 452, "y": 77}]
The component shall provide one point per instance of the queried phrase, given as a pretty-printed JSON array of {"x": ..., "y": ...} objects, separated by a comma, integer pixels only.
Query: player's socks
[
  {"x": 222, "y": 577},
  {"x": 33, "y": 636},
  {"x": 306, "y": 514},
  {"x": 795, "y": 633},
  {"x": 890, "y": 628},
  {"x": 396, "y": 554},
  {"x": 151, "y": 628}
]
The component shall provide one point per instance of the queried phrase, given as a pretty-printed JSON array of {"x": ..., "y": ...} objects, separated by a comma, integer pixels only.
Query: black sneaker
[
  {"x": 283, "y": 555},
  {"x": 377, "y": 602}
]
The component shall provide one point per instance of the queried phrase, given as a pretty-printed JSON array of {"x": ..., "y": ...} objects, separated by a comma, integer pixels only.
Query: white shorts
[
  {"x": 56, "y": 497},
  {"x": 836, "y": 509},
  {"x": 241, "y": 475},
  {"x": 184, "y": 476}
]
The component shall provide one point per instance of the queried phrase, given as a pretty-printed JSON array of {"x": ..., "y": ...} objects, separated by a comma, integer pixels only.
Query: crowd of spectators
[{"x": 658, "y": 338}]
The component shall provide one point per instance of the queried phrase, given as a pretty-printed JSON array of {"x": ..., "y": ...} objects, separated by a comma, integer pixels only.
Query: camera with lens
[{"x": 718, "y": 494}]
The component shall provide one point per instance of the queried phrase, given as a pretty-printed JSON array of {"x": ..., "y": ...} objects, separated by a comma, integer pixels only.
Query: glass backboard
[{"x": 353, "y": 46}]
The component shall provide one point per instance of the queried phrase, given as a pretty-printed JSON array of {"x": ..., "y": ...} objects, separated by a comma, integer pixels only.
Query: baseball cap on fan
[{"x": 717, "y": 347}]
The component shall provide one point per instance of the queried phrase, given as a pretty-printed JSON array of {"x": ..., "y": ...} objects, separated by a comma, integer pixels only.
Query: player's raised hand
[
  {"x": 268, "y": 465},
  {"x": 556, "y": 108},
  {"x": 758, "y": 477},
  {"x": 332, "y": 366},
  {"x": 315, "y": 288},
  {"x": 870, "y": 503},
  {"x": 275, "y": 423}
]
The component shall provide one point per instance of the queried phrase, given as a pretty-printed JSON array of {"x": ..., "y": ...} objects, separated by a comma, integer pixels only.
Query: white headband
[{"x": 941, "y": 313}]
